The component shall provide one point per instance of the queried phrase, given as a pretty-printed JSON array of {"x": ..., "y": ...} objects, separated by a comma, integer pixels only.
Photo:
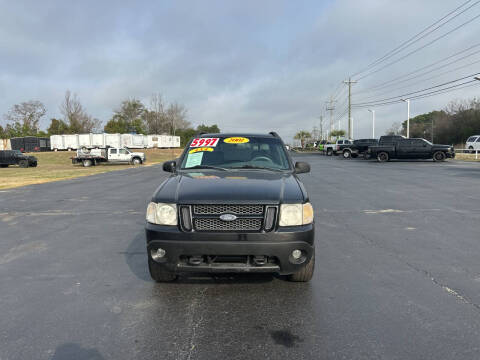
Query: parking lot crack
[{"x": 444, "y": 287}]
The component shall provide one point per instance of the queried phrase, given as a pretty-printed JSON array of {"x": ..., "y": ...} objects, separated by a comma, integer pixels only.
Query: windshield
[{"x": 236, "y": 153}]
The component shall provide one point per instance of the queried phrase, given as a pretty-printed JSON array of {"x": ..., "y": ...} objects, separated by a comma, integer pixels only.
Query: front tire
[
  {"x": 87, "y": 163},
  {"x": 471, "y": 150},
  {"x": 439, "y": 156},
  {"x": 382, "y": 156},
  {"x": 329, "y": 152},
  {"x": 347, "y": 154},
  {"x": 158, "y": 273},
  {"x": 306, "y": 273}
]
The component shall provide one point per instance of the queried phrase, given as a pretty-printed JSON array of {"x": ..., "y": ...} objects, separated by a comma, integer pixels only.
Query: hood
[
  {"x": 259, "y": 187},
  {"x": 438, "y": 146}
]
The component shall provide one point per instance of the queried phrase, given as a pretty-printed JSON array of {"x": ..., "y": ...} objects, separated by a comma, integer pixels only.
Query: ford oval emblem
[{"x": 228, "y": 217}]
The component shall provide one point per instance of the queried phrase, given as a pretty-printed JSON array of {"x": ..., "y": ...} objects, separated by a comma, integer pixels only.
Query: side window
[
  {"x": 122, "y": 151},
  {"x": 113, "y": 151},
  {"x": 340, "y": 142},
  {"x": 478, "y": 139},
  {"x": 471, "y": 139}
]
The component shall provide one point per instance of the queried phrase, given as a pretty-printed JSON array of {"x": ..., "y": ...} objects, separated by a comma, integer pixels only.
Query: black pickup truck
[
  {"x": 358, "y": 147},
  {"x": 15, "y": 157},
  {"x": 234, "y": 203},
  {"x": 399, "y": 147}
]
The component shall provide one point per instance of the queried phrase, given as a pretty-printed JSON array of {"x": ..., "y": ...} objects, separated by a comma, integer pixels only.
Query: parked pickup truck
[
  {"x": 358, "y": 147},
  {"x": 89, "y": 157},
  {"x": 399, "y": 147},
  {"x": 15, "y": 157},
  {"x": 233, "y": 203},
  {"x": 333, "y": 149}
]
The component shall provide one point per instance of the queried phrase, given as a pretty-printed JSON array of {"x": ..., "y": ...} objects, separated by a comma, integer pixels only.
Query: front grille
[
  {"x": 230, "y": 209},
  {"x": 241, "y": 224}
]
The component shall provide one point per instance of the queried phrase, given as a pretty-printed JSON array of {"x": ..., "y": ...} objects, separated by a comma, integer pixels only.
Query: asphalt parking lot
[{"x": 397, "y": 275}]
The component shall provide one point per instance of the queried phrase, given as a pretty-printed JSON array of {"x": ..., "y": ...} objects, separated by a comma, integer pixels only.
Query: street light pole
[
  {"x": 408, "y": 116},
  {"x": 373, "y": 122}
]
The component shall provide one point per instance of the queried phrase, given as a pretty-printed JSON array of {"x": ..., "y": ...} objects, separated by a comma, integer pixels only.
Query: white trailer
[
  {"x": 98, "y": 140},
  {"x": 113, "y": 140},
  {"x": 138, "y": 141},
  {"x": 5, "y": 144},
  {"x": 153, "y": 141},
  {"x": 85, "y": 140},
  {"x": 56, "y": 142},
  {"x": 176, "y": 141},
  {"x": 70, "y": 142}
]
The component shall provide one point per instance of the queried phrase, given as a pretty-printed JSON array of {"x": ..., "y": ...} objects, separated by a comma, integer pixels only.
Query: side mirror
[
  {"x": 169, "y": 166},
  {"x": 302, "y": 167}
]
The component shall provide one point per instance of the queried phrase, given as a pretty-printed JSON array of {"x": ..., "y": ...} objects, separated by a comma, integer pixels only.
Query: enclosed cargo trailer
[
  {"x": 113, "y": 140},
  {"x": 56, "y": 142},
  {"x": 30, "y": 144},
  {"x": 85, "y": 140},
  {"x": 5, "y": 144},
  {"x": 70, "y": 142},
  {"x": 98, "y": 140}
]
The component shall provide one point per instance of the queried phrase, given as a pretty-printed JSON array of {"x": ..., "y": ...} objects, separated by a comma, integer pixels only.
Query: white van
[{"x": 473, "y": 143}]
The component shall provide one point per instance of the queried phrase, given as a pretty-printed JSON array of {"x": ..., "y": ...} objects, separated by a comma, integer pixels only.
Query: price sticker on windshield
[
  {"x": 236, "y": 140},
  {"x": 200, "y": 142}
]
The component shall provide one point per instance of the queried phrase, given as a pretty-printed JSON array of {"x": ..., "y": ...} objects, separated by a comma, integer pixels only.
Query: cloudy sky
[{"x": 245, "y": 65}]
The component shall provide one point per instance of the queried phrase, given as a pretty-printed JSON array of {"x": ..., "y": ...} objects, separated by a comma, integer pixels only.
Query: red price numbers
[{"x": 199, "y": 142}]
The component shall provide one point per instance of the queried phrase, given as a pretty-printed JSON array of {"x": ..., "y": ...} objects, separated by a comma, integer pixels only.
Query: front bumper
[{"x": 276, "y": 245}]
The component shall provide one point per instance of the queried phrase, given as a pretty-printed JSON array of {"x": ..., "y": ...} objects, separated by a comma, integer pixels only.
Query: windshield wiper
[
  {"x": 256, "y": 167},
  {"x": 206, "y": 167}
]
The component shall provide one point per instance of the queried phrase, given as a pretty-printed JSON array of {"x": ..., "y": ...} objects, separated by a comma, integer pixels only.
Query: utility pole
[
  {"x": 373, "y": 122},
  {"x": 321, "y": 126},
  {"x": 408, "y": 116},
  {"x": 349, "y": 83},
  {"x": 330, "y": 107}
]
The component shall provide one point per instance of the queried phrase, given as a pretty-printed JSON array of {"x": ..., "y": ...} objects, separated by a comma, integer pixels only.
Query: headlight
[
  {"x": 296, "y": 214},
  {"x": 162, "y": 214}
]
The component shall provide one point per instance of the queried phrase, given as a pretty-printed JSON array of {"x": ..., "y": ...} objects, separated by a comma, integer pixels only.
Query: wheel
[
  {"x": 306, "y": 273},
  {"x": 382, "y": 156},
  {"x": 87, "y": 163},
  {"x": 329, "y": 152},
  {"x": 136, "y": 161},
  {"x": 439, "y": 156},
  {"x": 34, "y": 165},
  {"x": 158, "y": 273},
  {"x": 347, "y": 154},
  {"x": 3, "y": 165},
  {"x": 23, "y": 163},
  {"x": 471, "y": 149}
]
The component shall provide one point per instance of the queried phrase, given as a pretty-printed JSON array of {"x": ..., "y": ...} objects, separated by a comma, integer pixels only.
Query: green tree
[
  {"x": 3, "y": 135},
  {"x": 185, "y": 135},
  {"x": 303, "y": 136},
  {"x": 58, "y": 127},
  {"x": 338, "y": 133},
  {"x": 129, "y": 118},
  {"x": 213, "y": 129}
]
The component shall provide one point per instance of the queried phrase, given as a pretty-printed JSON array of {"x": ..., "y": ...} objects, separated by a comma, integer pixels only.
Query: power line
[
  {"x": 420, "y": 48},
  {"x": 415, "y": 92},
  {"x": 414, "y": 39},
  {"x": 383, "y": 84},
  {"x": 421, "y": 96},
  {"x": 424, "y": 80}
]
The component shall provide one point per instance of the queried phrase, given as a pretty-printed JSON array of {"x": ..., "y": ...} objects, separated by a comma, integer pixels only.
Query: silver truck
[{"x": 91, "y": 157}]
